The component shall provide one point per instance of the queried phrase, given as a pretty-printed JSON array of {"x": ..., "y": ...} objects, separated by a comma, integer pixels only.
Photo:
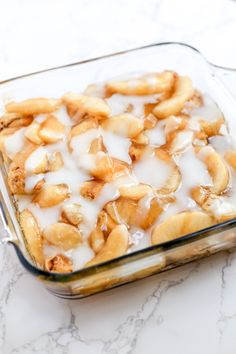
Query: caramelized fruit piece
[
  {"x": 51, "y": 194},
  {"x": 91, "y": 189},
  {"x": 135, "y": 192},
  {"x": 144, "y": 85},
  {"x": 216, "y": 168},
  {"x": 16, "y": 172},
  {"x": 183, "y": 91},
  {"x": 33, "y": 106},
  {"x": 71, "y": 214},
  {"x": 62, "y": 235},
  {"x": 51, "y": 130},
  {"x": 32, "y": 133},
  {"x": 33, "y": 236},
  {"x": 179, "y": 225},
  {"x": 125, "y": 124},
  {"x": 115, "y": 246},
  {"x": 85, "y": 105},
  {"x": 97, "y": 240}
]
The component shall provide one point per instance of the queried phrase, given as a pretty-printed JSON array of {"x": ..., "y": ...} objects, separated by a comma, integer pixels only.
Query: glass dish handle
[
  {"x": 4, "y": 230},
  {"x": 228, "y": 77}
]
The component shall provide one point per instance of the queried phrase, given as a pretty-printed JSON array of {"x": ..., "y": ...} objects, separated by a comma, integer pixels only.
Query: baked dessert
[{"x": 124, "y": 165}]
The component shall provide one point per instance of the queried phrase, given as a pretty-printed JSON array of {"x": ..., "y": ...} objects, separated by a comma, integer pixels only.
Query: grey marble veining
[{"x": 188, "y": 310}]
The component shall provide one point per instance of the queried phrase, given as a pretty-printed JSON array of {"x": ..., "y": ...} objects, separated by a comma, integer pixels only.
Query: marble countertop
[{"x": 188, "y": 310}]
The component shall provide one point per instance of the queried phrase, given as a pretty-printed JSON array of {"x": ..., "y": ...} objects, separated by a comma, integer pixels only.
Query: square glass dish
[{"x": 75, "y": 77}]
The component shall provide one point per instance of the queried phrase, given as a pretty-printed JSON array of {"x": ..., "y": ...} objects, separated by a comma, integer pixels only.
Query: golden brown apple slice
[
  {"x": 14, "y": 120},
  {"x": 91, "y": 189},
  {"x": 183, "y": 91},
  {"x": 51, "y": 195},
  {"x": 32, "y": 133},
  {"x": 216, "y": 168},
  {"x": 200, "y": 194},
  {"x": 212, "y": 128},
  {"x": 135, "y": 192},
  {"x": 105, "y": 223},
  {"x": 154, "y": 211},
  {"x": 85, "y": 105},
  {"x": 136, "y": 151},
  {"x": 174, "y": 179},
  {"x": 179, "y": 225},
  {"x": 62, "y": 235},
  {"x": 122, "y": 211},
  {"x": 97, "y": 239},
  {"x": 33, "y": 106},
  {"x": 51, "y": 130},
  {"x": 55, "y": 161},
  {"x": 16, "y": 172},
  {"x": 115, "y": 246},
  {"x": 71, "y": 213},
  {"x": 125, "y": 124},
  {"x": 33, "y": 236},
  {"x": 145, "y": 85}
]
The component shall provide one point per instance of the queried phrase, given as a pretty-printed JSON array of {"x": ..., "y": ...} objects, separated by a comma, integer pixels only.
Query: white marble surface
[{"x": 188, "y": 310}]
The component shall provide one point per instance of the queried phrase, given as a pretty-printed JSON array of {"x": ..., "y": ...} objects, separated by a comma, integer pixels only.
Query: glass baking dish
[{"x": 75, "y": 77}]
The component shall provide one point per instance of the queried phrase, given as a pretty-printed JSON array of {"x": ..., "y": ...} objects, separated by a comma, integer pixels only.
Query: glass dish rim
[{"x": 145, "y": 252}]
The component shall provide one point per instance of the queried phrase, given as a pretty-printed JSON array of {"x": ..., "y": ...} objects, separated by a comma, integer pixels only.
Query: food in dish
[{"x": 121, "y": 166}]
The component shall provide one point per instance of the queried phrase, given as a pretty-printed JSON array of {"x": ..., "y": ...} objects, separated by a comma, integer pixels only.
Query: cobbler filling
[{"x": 124, "y": 165}]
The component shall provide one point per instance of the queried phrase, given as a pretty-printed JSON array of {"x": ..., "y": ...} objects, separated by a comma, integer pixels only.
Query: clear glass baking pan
[{"x": 75, "y": 77}]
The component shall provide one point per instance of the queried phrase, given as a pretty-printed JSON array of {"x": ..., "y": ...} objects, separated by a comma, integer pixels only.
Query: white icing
[
  {"x": 87, "y": 162},
  {"x": 73, "y": 179},
  {"x": 95, "y": 90},
  {"x": 151, "y": 80},
  {"x": 194, "y": 173},
  {"x": 171, "y": 124},
  {"x": 188, "y": 164},
  {"x": 117, "y": 146},
  {"x": 35, "y": 159},
  {"x": 90, "y": 209},
  {"x": 151, "y": 170},
  {"x": 139, "y": 239},
  {"x": 63, "y": 117},
  {"x": 222, "y": 143},
  {"x": 80, "y": 256},
  {"x": 223, "y": 129},
  {"x": 81, "y": 143},
  {"x": 53, "y": 134},
  {"x": 23, "y": 201},
  {"x": 209, "y": 111},
  {"x": 69, "y": 174},
  {"x": 45, "y": 216},
  {"x": 14, "y": 143},
  {"x": 51, "y": 251},
  {"x": 126, "y": 181},
  {"x": 193, "y": 124},
  {"x": 156, "y": 135},
  {"x": 220, "y": 206},
  {"x": 119, "y": 103},
  {"x": 144, "y": 204},
  {"x": 182, "y": 141},
  {"x": 31, "y": 181},
  {"x": 40, "y": 118}
]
